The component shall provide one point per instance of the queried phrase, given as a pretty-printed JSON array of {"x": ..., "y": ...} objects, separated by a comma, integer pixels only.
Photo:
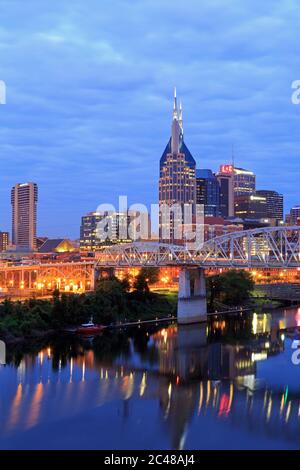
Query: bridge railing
[{"x": 273, "y": 247}]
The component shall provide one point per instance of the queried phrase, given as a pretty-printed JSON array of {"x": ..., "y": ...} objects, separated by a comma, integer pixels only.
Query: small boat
[{"x": 90, "y": 328}]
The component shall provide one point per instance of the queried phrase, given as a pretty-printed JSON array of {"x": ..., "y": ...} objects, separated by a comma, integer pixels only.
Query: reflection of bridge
[{"x": 272, "y": 248}]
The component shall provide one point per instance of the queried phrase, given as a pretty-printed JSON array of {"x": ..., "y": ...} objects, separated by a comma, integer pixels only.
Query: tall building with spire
[{"x": 177, "y": 180}]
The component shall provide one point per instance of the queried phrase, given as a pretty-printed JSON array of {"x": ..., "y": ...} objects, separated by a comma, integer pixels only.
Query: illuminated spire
[
  {"x": 180, "y": 117},
  {"x": 176, "y": 129},
  {"x": 175, "y": 110}
]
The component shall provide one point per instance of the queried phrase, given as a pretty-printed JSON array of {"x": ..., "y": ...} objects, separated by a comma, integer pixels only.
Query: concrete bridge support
[{"x": 191, "y": 307}]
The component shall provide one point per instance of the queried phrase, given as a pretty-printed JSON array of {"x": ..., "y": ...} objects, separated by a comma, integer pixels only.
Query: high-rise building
[
  {"x": 4, "y": 241},
  {"x": 98, "y": 229},
  {"x": 88, "y": 232},
  {"x": 177, "y": 180},
  {"x": 234, "y": 182},
  {"x": 208, "y": 192},
  {"x": 293, "y": 218},
  {"x": 244, "y": 182},
  {"x": 274, "y": 203},
  {"x": 225, "y": 176},
  {"x": 24, "y": 197},
  {"x": 251, "y": 206}
]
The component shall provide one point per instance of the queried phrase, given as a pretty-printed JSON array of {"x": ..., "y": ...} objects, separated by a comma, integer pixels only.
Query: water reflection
[{"x": 230, "y": 383}]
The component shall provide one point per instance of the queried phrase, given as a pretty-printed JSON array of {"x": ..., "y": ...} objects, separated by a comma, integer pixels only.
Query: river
[{"x": 233, "y": 383}]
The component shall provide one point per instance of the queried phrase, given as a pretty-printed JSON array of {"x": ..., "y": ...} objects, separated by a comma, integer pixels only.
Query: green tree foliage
[
  {"x": 151, "y": 275},
  {"x": 230, "y": 288},
  {"x": 214, "y": 289},
  {"x": 111, "y": 302},
  {"x": 146, "y": 277},
  {"x": 141, "y": 284}
]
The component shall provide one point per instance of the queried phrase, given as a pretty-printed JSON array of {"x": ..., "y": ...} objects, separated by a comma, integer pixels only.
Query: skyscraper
[
  {"x": 225, "y": 177},
  {"x": 234, "y": 182},
  {"x": 293, "y": 218},
  {"x": 251, "y": 206},
  {"x": 244, "y": 182},
  {"x": 274, "y": 203},
  {"x": 119, "y": 227},
  {"x": 24, "y": 209},
  {"x": 177, "y": 181},
  {"x": 208, "y": 192},
  {"x": 4, "y": 241}
]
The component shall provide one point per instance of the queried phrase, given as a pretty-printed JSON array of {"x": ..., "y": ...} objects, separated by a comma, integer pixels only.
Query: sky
[{"x": 89, "y": 88}]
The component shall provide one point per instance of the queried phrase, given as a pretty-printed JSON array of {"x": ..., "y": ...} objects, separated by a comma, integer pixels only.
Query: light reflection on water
[{"x": 226, "y": 384}]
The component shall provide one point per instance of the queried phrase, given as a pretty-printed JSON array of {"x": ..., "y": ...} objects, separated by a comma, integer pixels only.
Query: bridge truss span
[
  {"x": 271, "y": 247},
  {"x": 141, "y": 254}
]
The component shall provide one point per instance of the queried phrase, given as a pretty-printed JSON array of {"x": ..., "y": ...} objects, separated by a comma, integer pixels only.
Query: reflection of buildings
[
  {"x": 189, "y": 372},
  {"x": 204, "y": 352}
]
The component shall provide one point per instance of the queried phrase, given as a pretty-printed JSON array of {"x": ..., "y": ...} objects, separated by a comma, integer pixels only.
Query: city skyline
[
  {"x": 178, "y": 109},
  {"x": 178, "y": 114},
  {"x": 84, "y": 131}
]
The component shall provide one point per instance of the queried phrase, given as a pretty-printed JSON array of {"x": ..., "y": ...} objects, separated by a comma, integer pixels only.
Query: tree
[
  {"x": 151, "y": 275},
  {"x": 141, "y": 284},
  {"x": 111, "y": 298},
  {"x": 231, "y": 288},
  {"x": 146, "y": 277},
  {"x": 214, "y": 288},
  {"x": 57, "y": 313},
  {"x": 7, "y": 308},
  {"x": 112, "y": 284},
  {"x": 236, "y": 286}
]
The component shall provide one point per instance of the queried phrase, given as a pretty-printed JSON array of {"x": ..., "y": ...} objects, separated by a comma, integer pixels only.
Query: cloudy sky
[{"x": 89, "y": 97}]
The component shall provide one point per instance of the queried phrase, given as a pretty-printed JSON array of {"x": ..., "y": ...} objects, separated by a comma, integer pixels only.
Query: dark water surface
[{"x": 229, "y": 384}]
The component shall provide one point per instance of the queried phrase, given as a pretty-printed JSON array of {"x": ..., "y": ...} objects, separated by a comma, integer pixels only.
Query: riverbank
[
  {"x": 264, "y": 303},
  {"x": 115, "y": 302},
  {"x": 111, "y": 303}
]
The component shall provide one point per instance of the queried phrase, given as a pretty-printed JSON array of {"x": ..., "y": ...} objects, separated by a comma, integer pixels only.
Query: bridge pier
[
  {"x": 96, "y": 274},
  {"x": 191, "y": 308}
]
